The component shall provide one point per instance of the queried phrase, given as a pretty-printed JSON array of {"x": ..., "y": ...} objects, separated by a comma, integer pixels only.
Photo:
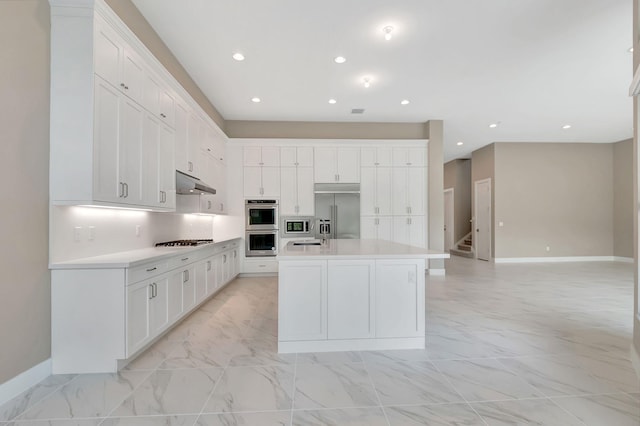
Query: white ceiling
[{"x": 531, "y": 65}]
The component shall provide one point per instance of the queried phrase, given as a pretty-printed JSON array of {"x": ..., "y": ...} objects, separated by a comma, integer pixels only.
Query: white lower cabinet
[
  {"x": 399, "y": 289},
  {"x": 302, "y": 303},
  {"x": 409, "y": 230},
  {"x": 339, "y": 304},
  {"x": 376, "y": 228},
  {"x": 101, "y": 317},
  {"x": 351, "y": 299}
]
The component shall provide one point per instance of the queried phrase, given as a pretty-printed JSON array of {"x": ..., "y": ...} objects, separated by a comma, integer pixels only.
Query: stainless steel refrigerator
[{"x": 337, "y": 210}]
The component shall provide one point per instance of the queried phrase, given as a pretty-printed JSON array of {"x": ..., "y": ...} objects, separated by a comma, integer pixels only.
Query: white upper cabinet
[
  {"x": 375, "y": 191},
  {"x": 261, "y": 182},
  {"x": 296, "y": 194},
  {"x": 409, "y": 230},
  {"x": 409, "y": 156},
  {"x": 408, "y": 190},
  {"x": 337, "y": 165},
  {"x": 158, "y": 99},
  {"x": 375, "y": 156},
  {"x": 265, "y": 156},
  {"x": 300, "y": 156}
]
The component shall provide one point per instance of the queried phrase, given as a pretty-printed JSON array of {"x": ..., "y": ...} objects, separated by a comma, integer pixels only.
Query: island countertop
[{"x": 357, "y": 249}]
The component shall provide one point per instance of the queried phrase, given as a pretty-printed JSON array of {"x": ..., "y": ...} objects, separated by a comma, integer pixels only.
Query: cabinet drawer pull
[
  {"x": 152, "y": 269},
  {"x": 184, "y": 259}
]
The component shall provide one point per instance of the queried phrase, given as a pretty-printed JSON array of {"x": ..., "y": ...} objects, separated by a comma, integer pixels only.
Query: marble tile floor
[{"x": 544, "y": 344}]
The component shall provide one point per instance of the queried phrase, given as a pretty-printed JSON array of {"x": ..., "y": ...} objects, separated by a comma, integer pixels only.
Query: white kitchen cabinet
[
  {"x": 375, "y": 191},
  {"x": 351, "y": 299},
  {"x": 188, "y": 289},
  {"x": 296, "y": 156},
  {"x": 182, "y": 137},
  {"x": 130, "y": 151},
  {"x": 159, "y": 306},
  {"x": 138, "y": 296},
  {"x": 200, "y": 281},
  {"x": 261, "y": 182},
  {"x": 158, "y": 99},
  {"x": 409, "y": 230},
  {"x": 158, "y": 176},
  {"x": 195, "y": 131},
  {"x": 166, "y": 169},
  {"x": 409, "y": 190},
  {"x": 399, "y": 285},
  {"x": 258, "y": 156},
  {"x": 375, "y": 156},
  {"x": 212, "y": 284},
  {"x": 174, "y": 291},
  {"x": 337, "y": 165},
  {"x": 296, "y": 191},
  {"x": 409, "y": 156},
  {"x": 302, "y": 304},
  {"x": 376, "y": 227}
]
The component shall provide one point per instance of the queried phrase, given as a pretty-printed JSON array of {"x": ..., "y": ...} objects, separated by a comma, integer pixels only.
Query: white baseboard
[
  {"x": 23, "y": 381},
  {"x": 556, "y": 259},
  {"x": 635, "y": 359},
  {"x": 433, "y": 271},
  {"x": 623, "y": 259}
]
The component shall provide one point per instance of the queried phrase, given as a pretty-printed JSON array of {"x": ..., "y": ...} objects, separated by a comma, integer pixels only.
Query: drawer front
[
  {"x": 143, "y": 272},
  {"x": 251, "y": 267},
  {"x": 185, "y": 259}
]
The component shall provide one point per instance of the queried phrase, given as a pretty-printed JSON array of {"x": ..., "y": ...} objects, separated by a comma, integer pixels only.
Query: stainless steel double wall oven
[{"x": 261, "y": 226}]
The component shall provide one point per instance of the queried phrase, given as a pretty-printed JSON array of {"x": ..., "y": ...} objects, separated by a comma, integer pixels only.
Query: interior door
[
  {"x": 448, "y": 219},
  {"x": 482, "y": 237}
]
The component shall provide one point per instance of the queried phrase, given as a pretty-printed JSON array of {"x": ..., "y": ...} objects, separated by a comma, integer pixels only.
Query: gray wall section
[
  {"x": 636, "y": 181},
  {"x": 132, "y": 17},
  {"x": 553, "y": 194},
  {"x": 434, "y": 131},
  {"x": 25, "y": 295},
  {"x": 483, "y": 167},
  {"x": 323, "y": 130},
  {"x": 457, "y": 175},
  {"x": 623, "y": 198}
]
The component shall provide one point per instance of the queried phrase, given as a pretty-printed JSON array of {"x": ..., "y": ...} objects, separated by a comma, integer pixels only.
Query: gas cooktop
[{"x": 180, "y": 243}]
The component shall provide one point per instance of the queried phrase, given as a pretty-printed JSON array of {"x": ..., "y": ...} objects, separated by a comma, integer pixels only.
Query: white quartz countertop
[
  {"x": 357, "y": 249},
  {"x": 132, "y": 258}
]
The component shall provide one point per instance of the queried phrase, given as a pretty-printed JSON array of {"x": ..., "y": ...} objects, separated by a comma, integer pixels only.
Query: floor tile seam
[
  {"x": 213, "y": 391},
  {"x": 293, "y": 392},
  {"x": 135, "y": 388},
  {"x": 459, "y": 393},
  {"x": 515, "y": 373},
  {"x": 375, "y": 390},
  {"x": 41, "y": 399},
  {"x": 590, "y": 395},
  {"x": 566, "y": 411}
]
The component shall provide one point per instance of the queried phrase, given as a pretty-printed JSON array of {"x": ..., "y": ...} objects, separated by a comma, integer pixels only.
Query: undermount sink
[{"x": 307, "y": 243}]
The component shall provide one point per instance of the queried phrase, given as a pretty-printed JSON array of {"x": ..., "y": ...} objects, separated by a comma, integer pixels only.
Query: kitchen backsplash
[{"x": 78, "y": 232}]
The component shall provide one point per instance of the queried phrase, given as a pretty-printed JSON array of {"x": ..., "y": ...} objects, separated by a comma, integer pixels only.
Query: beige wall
[
  {"x": 132, "y": 17},
  {"x": 434, "y": 131},
  {"x": 457, "y": 175},
  {"x": 324, "y": 130},
  {"x": 623, "y": 198},
  {"x": 553, "y": 194},
  {"x": 24, "y": 132},
  {"x": 483, "y": 167},
  {"x": 636, "y": 181}
]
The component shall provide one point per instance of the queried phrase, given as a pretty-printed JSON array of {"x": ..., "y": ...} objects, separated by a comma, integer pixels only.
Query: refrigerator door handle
[{"x": 335, "y": 215}]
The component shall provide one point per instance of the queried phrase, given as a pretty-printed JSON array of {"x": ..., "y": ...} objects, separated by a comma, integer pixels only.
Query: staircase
[{"x": 464, "y": 247}]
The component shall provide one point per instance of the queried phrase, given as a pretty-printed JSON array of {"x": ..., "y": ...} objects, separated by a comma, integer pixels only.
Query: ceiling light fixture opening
[
  {"x": 238, "y": 56},
  {"x": 388, "y": 32},
  {"x": 404, "y": 102},
  {"x": 460, "y": 143},
  {"x": 566, "y": 126},
  {"x": 493, "y": 125},
  {"x": 339, "y": 59},
  {"x": 256, "y": 100},
  {"x": 366, "y": 81},
  {"x": 630, "y": 50},
  {"x": 332, "y": 101}
]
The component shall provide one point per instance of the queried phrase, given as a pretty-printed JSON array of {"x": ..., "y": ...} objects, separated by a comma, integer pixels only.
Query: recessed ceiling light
[
  {"x": 332, "y": 101},
  {"x": 339, "y": 59},
  {"x": 493, "y": 125},
  {"x": 404, "y": 102},
  {"x": 388, "y": 30},
  {"x": 366, "y": 81},
  {"x": 238, "y": 56},
  {"x": 566, "y": 126},
  {"x": 256, "y": 100},
  {"x": 630, "y": 50},
  {"x": 460, "y": 143}
]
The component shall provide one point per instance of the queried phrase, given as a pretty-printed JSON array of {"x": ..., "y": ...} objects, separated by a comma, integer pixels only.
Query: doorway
[
  {"x": 482, "y": 224},
  {"x": 448, "y": 219}
]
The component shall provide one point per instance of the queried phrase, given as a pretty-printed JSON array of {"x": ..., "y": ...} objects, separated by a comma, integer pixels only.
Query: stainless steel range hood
[{"x": 189, "y": 185}]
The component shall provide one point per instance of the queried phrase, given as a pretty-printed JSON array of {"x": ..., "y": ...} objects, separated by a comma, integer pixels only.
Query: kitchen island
[{"x": 351, "y": 294}]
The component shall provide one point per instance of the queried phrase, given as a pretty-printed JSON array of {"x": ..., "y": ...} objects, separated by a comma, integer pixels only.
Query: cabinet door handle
[
  {"x": 190, "y": 166},
  {"x": 126, "y": 190},
  {"x": 209, "y": 205},
  {"x": 162, "y": 115},
  {"x": 155, "y": 290},
  {"x": 185, "y": 276},
  {"x": 151, "y": 291},
  {"x": 224, "y": 258},
  {"x": 184, "y": 259},
  {"x": 221, "y": 206},
  {"x": 208, "y": 265},
  {"x": 121, "y": 192},
  {"x": 152, "y": 269}
]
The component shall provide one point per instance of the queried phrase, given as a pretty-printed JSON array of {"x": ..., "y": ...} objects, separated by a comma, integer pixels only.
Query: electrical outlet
[
  {"x": 500, "y": 223},
  {"x": 77, "y": 230},
  {"x": 92, "y": 233},
  {"x": 138, "y": 230}
]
